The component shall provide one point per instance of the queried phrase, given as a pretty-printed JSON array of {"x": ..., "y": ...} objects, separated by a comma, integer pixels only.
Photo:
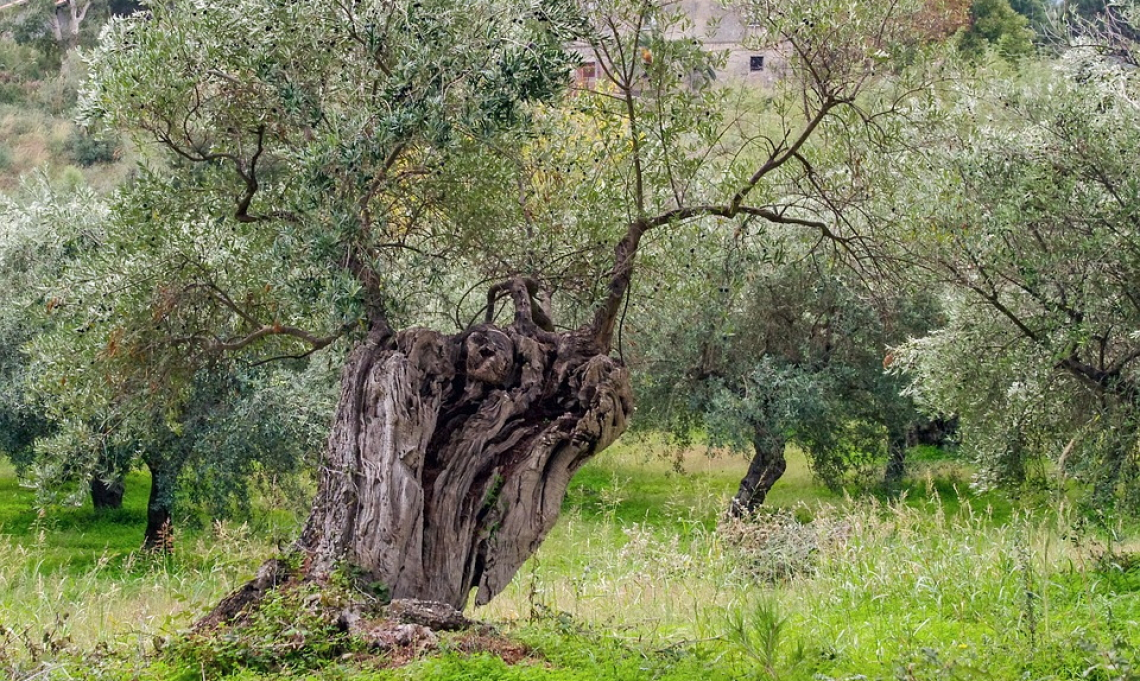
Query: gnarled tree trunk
[{"x": 450, "y": 456}]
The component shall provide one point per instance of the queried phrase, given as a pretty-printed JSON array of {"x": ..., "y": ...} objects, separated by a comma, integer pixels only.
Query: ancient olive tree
[
  {"x": 314, "y": 154},
  {"x": 333, "y": 174},
  {"x": 1031, "y": 226}
]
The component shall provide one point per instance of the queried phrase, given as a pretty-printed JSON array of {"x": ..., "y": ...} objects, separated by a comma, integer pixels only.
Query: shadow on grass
[{"x": 73, "y": 538}]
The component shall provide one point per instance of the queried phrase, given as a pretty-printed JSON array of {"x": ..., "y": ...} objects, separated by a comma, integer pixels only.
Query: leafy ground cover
[{"x": 640, "y": 580}]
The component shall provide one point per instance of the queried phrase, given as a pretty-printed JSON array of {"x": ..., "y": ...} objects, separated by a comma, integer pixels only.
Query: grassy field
[{"x": 640, "y": 580}]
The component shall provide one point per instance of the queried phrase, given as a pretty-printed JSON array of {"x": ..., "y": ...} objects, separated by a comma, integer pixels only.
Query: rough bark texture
[
  {"x": 106, "y": 495},
  {"x": 450, "y": 455},
  {"x": 767, "y": 466}
]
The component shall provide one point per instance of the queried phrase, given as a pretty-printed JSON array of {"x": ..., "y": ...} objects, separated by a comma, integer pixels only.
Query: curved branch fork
[
  {"x": 450, "y": 456},
  {"x": 529, "y": 313}
]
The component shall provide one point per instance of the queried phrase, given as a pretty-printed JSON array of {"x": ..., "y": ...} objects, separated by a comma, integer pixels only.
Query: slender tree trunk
[
  {"x": 56, "y": 25},
  {"x": 767, "y": 466},
  {"x": 896, "y": 463},
  {"x": 159, "y": 523},
  {"x": 106, "y": 495}
]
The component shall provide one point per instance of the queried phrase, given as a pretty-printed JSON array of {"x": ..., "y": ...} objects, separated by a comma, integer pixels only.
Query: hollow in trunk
[{"x": 450, "y": 456}]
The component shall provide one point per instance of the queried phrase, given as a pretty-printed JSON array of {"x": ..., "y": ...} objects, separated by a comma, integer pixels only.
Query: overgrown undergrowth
[{"x": 641, "y": 581}]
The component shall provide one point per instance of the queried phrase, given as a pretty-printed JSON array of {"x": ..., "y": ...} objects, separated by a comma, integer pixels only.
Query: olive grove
[
  {"x": 409, "y": 187},
  {"x": 783, "y": 347}
]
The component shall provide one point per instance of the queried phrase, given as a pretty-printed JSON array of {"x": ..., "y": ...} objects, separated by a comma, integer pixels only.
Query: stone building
[
  {"x": 721, "y": 29},
  {"x": 728, "y": 30}
]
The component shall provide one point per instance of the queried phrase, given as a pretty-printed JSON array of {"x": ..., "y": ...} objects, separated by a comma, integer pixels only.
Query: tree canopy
[{"x": 1033, "y": 235}]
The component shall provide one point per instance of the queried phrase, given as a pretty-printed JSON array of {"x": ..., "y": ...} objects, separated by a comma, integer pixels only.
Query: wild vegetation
[
  {"x": 641, "y": 579},
  {"x": 319, "y": 325}
]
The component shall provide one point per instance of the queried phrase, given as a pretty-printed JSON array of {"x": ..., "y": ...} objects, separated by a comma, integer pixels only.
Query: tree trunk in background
[
  {"x": 450, "y": 456},
  {"x": 107, "y": 484},
  {"x": 106, "y": 495},
  {"x": 937, "y": 432},
  {"x": 159, "y": 524},
  {"x": 768, "y": 465},
  {"x": 896, "y": 462},
  {"x": 66, "y": 20}
]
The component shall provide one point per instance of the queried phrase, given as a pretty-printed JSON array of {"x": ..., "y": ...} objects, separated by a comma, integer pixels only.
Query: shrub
[
  {"x": 775, "y": 545},
  {"x": 294, "y": 627},
  {"x": 87, "y": 150}
]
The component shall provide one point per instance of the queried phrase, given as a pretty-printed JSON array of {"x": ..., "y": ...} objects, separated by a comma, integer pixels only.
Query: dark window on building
[{"x": 756, "y": 62}]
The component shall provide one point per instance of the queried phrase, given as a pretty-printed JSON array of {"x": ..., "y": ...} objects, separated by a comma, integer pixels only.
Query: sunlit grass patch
[
  {"x": 73, "y": 579},
  {"x": 935, "y": 585}
]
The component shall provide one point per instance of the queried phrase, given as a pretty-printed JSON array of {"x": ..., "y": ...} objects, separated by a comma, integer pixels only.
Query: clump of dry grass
[{"x": 775, "y": 545}]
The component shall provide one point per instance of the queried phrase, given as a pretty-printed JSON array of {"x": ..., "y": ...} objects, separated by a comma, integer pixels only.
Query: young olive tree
[
  {"x": 239, "y": 423},
  {"x": 1029, "y": 220},
  {"x": 236, "y": 427},
  {"x": 777, "y": 345},
  {"x": 339, "y": 172},
  {"x": 42, "y": 227}
]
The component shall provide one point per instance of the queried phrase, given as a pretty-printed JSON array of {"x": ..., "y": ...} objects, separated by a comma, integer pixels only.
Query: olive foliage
[
  {"x": 1029, "y": 221},
  {"x": 245, "y": 423},
  {"x": 780, "y": 346},
  {"x": 42, "y": 227}
]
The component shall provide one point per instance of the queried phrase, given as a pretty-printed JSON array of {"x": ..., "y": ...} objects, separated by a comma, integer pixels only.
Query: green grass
[
  {"x": 641, "y": 481},
  {"x": 642, "y": 579},
  {"x": 73, "y": 580},
  {"x": 72, "y": 539}
]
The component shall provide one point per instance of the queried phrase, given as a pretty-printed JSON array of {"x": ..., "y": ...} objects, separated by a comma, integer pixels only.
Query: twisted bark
[{"x": 450, "y": 455}]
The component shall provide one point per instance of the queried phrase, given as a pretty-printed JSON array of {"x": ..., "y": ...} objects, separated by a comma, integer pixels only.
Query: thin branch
[
  {"x": 780, "y": 157},
  {"x": 250, "y": 177},
  {"x": 315, "y": 342}
]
